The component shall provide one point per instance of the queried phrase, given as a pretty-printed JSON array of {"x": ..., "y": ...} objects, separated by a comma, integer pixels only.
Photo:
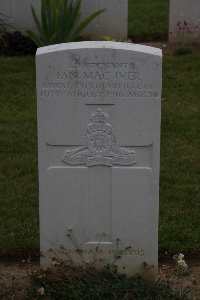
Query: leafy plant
[{"x": 60, "y": 22}]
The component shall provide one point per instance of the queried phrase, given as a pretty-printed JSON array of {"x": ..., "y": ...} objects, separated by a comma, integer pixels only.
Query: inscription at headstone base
[{"x": 98, "y": 141}]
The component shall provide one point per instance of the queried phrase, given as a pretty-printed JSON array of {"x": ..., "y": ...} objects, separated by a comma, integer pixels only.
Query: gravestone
[
  {"x": 113, "y": 22},
  {"x": 18, "y": 13},
  {"x": 99, "y": 139},
  {"x": 184, "y": 21}
]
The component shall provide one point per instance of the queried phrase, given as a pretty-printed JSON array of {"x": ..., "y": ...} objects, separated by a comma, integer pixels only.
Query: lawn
[
  {"x": 148, "y": 20},
  {"x": 180, "y": 160},
  {"x": 18, "y": 157}
]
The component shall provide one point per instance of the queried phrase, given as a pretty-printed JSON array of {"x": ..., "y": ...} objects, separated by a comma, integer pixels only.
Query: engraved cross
[{"x": 99, "y": 153}]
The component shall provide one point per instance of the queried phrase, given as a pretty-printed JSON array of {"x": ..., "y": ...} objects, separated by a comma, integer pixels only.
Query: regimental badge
[{"x": 99, "y": 146}]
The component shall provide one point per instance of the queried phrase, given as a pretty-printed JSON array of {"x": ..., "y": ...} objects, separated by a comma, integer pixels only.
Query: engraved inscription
[
  {"x": 99, "y": 146},
  {"x": 82, "y": 78},
  {"x": 78, "y": 63},
  {"x": 113, "y": 252}
]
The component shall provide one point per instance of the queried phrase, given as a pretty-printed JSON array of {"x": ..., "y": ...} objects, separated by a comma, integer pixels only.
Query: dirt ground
[{"x": 15, "y": 279}]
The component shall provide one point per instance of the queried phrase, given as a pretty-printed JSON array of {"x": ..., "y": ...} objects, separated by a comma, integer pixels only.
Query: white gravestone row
[
  {"x": 113, "y": 22},
  {"x": 184, "y": 21},
  {"x": 18, "y": 13},
  {"x": 99, "y": 140}
]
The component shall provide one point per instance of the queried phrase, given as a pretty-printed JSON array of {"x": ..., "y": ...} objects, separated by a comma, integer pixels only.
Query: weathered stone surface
[
  {"x": 99, "y": 140},
  {"x": 184, "y": 21}
]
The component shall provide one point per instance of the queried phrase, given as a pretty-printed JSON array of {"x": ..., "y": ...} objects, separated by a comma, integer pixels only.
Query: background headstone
[
  {"x": 99, "y": 140},
  {"x": 19, "y": 13},
  {"x": 113, "y": 22},
  {"x": 184, "y": 21}
]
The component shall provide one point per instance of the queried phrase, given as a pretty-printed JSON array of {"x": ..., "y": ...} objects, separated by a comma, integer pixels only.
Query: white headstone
[
  {"x": 184, "y": 21},
  {"x": 19, "y": 14},
  {"x": 99, "y": 140},
  {"x": 113, "y": 22}
]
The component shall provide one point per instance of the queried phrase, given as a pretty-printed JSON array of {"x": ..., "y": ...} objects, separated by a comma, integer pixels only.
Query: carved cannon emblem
[{"x": 99, "y": 147}]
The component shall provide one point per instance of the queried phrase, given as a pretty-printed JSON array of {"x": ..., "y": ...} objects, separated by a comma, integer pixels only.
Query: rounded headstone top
[{"x": 99, "y": 45}]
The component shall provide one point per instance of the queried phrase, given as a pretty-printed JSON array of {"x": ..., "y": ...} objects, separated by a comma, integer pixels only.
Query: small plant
[
  {"x": 64, "y": 279},
  {"x": 60, "y": 22},
  {"x": 181, "y": 265},
  {"x": 67, "y": 281}
]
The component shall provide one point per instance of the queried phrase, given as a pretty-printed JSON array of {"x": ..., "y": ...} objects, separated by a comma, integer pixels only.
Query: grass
[
  {"x": 18, "y": 157},
  {"x": 180, "y": 160},
  {"x": 148, "y": 20}
]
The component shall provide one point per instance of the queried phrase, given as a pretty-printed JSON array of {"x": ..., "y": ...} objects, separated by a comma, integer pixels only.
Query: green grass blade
[
  {"x": 37, "y": 21},
  {"x": 53, "y": 39},
  {"x": 44, "y": 18},
  {"x": 38, "y": 25},
  {"x": 54, "y": 15},
  {"x": 73, "y": 16},
  {"x": 48, "y": 9},
  {"x": 83, "y": 24},
  {"x": 76, "y": 11},
  {"x": 62, "y": 20},
  {"x": 33, "y": 36}
]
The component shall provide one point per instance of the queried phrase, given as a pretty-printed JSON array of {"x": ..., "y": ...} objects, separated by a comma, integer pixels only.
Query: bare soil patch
[
  {"x": 15, "y": 279},
  {"x": 179, "y": 282}
]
